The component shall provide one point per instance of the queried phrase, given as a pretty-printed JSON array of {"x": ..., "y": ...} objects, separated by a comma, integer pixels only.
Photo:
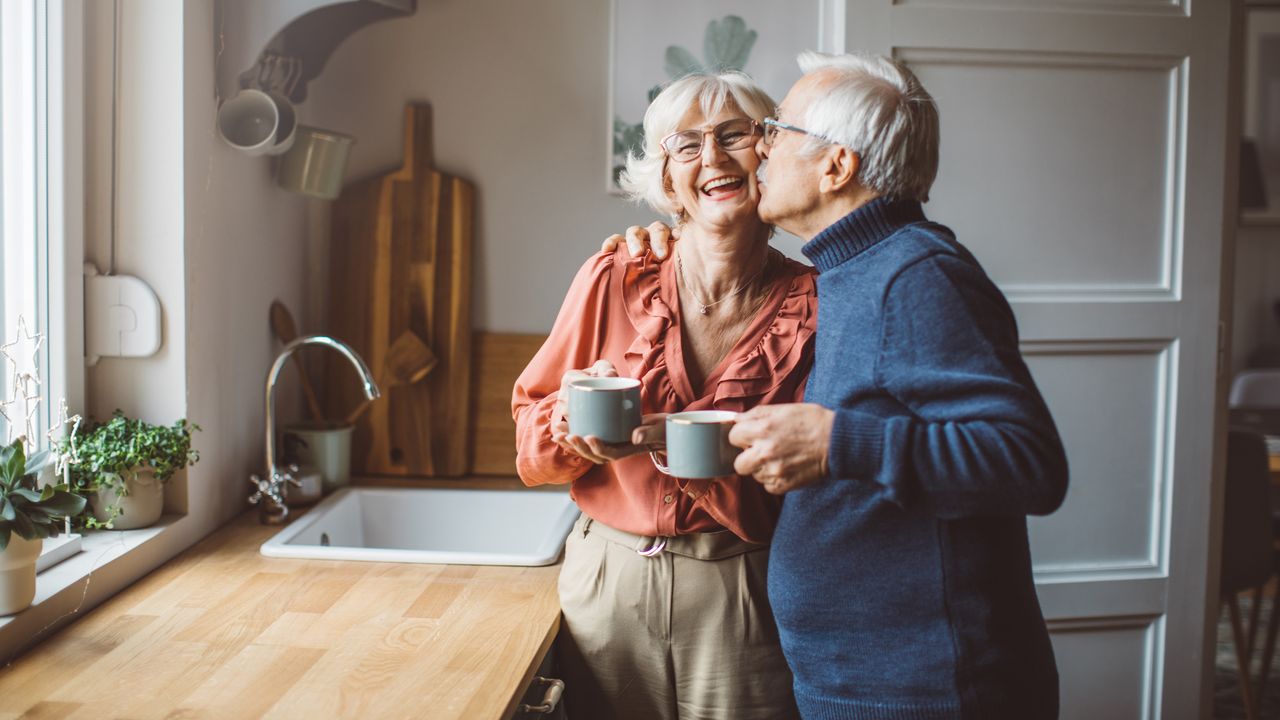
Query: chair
[
  {"x": 1257, "y": 388},
  {"x": 1247, "y": 547},
  {"x": 1273, "y": 625},
  {"x": 1254, "y": 403}
]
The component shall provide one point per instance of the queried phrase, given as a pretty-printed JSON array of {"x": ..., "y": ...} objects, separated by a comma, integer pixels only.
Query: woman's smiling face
[{"x": 717, "y": 188}]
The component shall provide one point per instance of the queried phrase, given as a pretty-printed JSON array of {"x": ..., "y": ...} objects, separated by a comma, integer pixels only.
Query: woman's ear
[
  {"x": 841, "y": 171},
  {"x": 669, "y": 190}
]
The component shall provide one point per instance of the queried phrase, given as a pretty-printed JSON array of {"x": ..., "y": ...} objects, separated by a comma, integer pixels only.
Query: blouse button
[{"x": 667, "y": 499}]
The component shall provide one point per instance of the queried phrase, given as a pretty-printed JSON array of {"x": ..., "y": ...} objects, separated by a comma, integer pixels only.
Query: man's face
[{"x": 789, "y": 189}]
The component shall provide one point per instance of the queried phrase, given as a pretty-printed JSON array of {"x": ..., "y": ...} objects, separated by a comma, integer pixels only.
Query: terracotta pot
[
  {"x": 141, "y": 506},
  {"x": 18, "y": 574}
]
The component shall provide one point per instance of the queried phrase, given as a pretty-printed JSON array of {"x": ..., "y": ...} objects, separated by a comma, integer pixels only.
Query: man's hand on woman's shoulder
[{"x": 658, "y": 237}]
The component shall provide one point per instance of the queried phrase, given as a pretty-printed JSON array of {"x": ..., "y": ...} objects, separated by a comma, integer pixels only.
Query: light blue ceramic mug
[
  {"x": 698, "y": 445},
  {"x": 606, "y": 407}
]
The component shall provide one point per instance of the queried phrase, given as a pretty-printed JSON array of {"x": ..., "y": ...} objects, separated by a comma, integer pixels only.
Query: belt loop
[{"x": 659, "y": 543}]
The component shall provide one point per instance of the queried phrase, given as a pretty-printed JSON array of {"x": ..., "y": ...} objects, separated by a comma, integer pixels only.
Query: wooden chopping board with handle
[{"x": 400, "y": 260}]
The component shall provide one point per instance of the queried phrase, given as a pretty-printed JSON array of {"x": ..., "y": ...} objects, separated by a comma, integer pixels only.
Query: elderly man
[{"x": 900, "y": 574}]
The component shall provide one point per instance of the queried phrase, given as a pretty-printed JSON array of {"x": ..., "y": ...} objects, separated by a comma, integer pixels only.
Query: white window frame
[
  {"x": 42, "y": 153},
  {"x": 66, "y": 200},
  {"x": 21, "y": 260}
]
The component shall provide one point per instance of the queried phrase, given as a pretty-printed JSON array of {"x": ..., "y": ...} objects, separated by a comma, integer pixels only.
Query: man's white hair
[
  {"x": 644, "y": 179},
  {"x": 876, "y": 107}
]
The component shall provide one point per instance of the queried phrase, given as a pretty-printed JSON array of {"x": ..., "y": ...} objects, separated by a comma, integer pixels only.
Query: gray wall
[
  {"x": 204, "y": 226},
  {"x": 519, "y": 92},
  {"x": 519, "y": 95}
]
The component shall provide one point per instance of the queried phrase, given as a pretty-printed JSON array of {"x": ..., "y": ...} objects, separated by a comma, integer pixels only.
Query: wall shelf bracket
[{"x": 284, "y": 44}]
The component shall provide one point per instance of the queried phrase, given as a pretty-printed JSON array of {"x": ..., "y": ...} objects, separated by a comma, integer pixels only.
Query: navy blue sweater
[{"x": 901, "y": 584}]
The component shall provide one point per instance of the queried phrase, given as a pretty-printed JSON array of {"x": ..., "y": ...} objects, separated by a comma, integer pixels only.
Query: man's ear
[{"x": 840, "y": 171}]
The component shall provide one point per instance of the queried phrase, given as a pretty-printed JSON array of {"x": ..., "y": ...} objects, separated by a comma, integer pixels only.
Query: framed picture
[
  {"x": 656, "y": 41},
  {"x": 1261, "y": 163}
]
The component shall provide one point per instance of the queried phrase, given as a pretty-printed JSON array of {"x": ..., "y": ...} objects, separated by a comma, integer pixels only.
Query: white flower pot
[
  {"x": 18, "y": 574},
  {"x": 141, "y": 505}
]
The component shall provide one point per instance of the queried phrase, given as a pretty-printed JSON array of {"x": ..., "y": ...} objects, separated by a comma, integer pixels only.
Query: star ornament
[
  {"x": 7, "y": 403},
  {"x": 61, "y": 422},
  {"x": 58, "y": 431},
  {"x": 12, "y": 350},
  {"x": 30, "y": 404}
]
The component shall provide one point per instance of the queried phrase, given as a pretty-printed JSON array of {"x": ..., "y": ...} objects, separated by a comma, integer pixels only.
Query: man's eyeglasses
[
  {"x": 772, "y": 126},
  {"x": 686, "y": 145}
]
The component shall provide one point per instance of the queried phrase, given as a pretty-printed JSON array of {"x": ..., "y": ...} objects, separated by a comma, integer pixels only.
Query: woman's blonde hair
[{"x": 644, "y": 179}]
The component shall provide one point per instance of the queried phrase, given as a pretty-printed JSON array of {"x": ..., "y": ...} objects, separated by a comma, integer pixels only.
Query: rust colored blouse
[{"x": 627, "y": 310}]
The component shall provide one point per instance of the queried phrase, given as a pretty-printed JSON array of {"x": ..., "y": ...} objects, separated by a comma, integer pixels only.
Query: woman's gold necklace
[{"x": 703, "y": 307}]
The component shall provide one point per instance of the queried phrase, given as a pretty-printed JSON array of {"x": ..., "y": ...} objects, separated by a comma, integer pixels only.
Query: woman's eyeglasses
[{"x": 686, "y": 145}]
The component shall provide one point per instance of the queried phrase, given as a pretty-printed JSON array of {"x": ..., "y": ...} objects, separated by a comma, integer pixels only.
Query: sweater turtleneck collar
[{"x": 860, "y": 230}]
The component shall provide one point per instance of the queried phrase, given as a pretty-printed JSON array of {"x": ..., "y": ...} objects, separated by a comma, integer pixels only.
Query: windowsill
[{"x": 67, "y": 583}]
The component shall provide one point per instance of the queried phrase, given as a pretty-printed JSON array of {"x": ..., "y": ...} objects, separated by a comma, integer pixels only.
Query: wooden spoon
[
  {"x": 285, "y": 331},
  {"x": 408, "y": 361}
]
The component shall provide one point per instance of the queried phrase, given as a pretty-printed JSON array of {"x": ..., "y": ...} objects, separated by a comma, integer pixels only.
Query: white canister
[
  {"x": 310, "y": 487},
  {"x": 327, "y": 449}
]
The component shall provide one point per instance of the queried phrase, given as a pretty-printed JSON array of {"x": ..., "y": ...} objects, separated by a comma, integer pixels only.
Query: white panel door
[{"x": 1083, "y": 161}]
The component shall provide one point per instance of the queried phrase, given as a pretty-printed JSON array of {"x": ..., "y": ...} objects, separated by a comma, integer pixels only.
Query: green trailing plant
[
  {"x": 26, "y": 510},
  {"x": 108, "y": 453}
]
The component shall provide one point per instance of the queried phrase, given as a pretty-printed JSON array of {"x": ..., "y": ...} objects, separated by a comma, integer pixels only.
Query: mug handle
[{"x": 662, "y": 468}]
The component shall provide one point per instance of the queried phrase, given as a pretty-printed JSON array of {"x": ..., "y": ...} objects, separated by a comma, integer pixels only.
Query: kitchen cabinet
[{"x": 536, "y": 693}]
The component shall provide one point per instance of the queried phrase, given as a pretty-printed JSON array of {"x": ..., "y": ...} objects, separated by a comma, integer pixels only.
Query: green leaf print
[{"x": 727, "y": 43}]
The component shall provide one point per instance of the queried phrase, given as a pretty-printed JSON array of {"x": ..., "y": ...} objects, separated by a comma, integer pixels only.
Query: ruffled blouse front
[{"x": 627, "y": 310}]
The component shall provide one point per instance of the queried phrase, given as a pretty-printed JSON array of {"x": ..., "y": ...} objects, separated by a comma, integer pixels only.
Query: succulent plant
[{"x": 27, "y": 510}]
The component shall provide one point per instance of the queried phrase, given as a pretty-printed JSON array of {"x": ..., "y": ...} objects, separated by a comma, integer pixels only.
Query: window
[
  {"x": 40, "y": 243},
  {"x": 43, "y": 106},
  {"x": 25, "y": 245}
]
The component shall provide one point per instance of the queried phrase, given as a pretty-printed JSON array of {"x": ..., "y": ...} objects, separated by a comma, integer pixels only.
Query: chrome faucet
[{"x": 272, "y": 492}]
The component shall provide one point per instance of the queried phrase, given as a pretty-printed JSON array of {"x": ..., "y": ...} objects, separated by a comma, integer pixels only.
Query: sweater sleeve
[
  {"x": 978, "y": 438},
  {"x": 575, "y": 343}
]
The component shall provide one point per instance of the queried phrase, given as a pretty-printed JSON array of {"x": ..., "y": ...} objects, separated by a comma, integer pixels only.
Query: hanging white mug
[
  {"x": 286, "y": 127},
  {"x": 248, "y": 122}
]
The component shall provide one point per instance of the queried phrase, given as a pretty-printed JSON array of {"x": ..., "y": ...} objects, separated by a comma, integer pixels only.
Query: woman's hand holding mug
[
  {"x": 647, "y": 437},
  {"x": 638, "y": 430},
  {"x": 601, "y": 368}
]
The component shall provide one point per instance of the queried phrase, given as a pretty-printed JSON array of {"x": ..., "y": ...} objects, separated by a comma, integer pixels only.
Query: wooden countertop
[{"x": 223, "y": 632}]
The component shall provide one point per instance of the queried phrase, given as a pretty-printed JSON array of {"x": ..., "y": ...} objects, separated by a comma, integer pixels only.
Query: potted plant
[
  {"x": 28, "y": 514},
  {"x": 122, "y": 466}
]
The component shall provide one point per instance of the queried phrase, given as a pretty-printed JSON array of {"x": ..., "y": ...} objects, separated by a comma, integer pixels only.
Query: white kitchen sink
[{"x": 431, "y": 525}]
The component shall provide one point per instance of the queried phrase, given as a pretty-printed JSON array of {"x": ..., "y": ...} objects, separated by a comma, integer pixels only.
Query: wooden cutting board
[
  {"x": 499, "y": 359},
  {"x": 400, "y": 259}
]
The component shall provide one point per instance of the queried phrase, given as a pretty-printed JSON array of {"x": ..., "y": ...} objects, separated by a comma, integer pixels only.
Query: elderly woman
[{"x": 685, "y": 632}]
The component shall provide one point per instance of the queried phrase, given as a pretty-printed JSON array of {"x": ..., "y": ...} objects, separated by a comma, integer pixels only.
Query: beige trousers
[{"x": 686, "y": 634}]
